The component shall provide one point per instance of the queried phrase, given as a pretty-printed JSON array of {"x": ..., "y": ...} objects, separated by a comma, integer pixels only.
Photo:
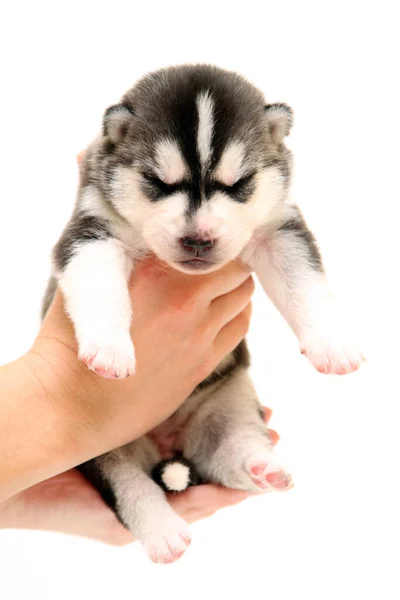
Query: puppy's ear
[
  {"x": 279, "y": 120},
  {"x": 115, "y": 122}
]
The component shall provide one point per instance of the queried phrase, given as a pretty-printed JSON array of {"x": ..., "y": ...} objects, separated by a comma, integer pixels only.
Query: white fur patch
[
  {"x": 160, "y": 225},
  {"x": 171, "y": 164},
  {"x": 233, "y": 223},
  {"x": 267, "y": 200},
  {"x": 302, "y": 296},
  {"x": 230, "y": 167},
  {"x": 176, "y": 477},
  {"x": 279, "y": 120},
  {"x": 142, "y": 504},
  {"x": 95, "y": 288},
  {"x": 151, "y": 224},
  {"x": 205, "y": 107},
  {"x": 91, "y": 202},
  {"x": 243, "y": 444},
  {"x": 115, "y": 122}
]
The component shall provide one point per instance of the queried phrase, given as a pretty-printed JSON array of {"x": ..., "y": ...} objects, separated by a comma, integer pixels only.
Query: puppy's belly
[
  {"x": 168, "y": 435},
  {"x": 167, "y": 439}
]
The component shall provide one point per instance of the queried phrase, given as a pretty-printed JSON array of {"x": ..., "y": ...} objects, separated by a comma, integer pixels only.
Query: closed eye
[
  {"x": 155, "y": 180},
  {"x": 241, "y": 189},
  {"x": 156, "y": 188},
  {"x": 240, "y": 182}
]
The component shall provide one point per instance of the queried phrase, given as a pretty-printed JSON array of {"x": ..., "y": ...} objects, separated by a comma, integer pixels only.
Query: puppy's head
[{"x": 194, "y": 158}]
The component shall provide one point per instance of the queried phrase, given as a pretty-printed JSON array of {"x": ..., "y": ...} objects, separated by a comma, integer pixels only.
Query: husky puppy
[{"x": 191, "y": 166}]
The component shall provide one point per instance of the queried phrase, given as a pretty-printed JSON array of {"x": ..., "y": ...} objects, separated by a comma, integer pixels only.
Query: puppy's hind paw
[
  {"x": 169, "y": 543},
  {"x": 266, "y": 474}
]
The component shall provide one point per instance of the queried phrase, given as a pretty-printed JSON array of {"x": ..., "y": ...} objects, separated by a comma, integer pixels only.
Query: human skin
[
  {"x": 56, "y": 414},
  {"x": 69, "y": 504}
]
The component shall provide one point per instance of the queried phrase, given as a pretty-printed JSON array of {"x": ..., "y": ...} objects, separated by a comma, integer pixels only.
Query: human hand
[
  {"x": 68, "y": 503},
  {"x": 183, "y": 326},
  {"x": 60, "y": 414}
]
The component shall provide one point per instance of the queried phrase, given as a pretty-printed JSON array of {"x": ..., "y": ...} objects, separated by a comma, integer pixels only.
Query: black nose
[{"x": 196, "y": 245}]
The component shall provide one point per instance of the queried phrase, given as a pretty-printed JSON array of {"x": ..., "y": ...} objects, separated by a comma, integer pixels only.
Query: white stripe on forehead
[
  {"x": 231, "y": 167},
  {"x": 205, "y": 108},
  {"x": 171, "y": 166}
]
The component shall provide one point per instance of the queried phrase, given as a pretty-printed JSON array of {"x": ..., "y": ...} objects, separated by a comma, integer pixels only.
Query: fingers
[
  {"x": 220, "y": 497},
  {"x": 273, "y": 436},
  {"x": 184, "y": 292},
  {"x": 202, "y": 501},
  {"x": 56, "y": 324},
  {"x": 56, "y": 311},
  {"x": 223, "y": 281},
  {"x": 267, "y": 414},
  {"x": 225, "y": 308},
  {"x": 231, "y": 334}
]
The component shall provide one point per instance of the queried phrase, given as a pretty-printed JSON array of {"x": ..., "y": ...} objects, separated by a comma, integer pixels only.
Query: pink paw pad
[
  {"x": 265, "y": 478},
  {"x": 280, "y": 480},
  {"x": 106, "y": 373}
]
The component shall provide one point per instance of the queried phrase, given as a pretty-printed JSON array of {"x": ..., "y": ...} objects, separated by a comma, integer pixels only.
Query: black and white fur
[
  {"x": 191, "y": 166},
  {"x": 175, "y": 474}
]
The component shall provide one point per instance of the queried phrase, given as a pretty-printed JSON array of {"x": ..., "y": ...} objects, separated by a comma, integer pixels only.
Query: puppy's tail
[{"x": 175, "y": 474}]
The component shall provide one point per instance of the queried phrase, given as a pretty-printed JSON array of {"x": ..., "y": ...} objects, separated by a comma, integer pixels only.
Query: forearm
[
  {"x": 37, "y": 438},
  {"x": 56, "y": 414}
]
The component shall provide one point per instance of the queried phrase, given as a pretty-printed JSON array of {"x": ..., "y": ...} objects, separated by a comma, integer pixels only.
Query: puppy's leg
[
  {"x": 290, "y": 270},
  {"x": 92, "y": 269},
  {"x": 227, "y": 440},
  {"x": 140, "y": 503}
]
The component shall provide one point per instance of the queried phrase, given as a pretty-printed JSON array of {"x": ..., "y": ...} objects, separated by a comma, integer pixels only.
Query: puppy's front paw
[
  {"x": 167, "y": 544},
  {"x": 332, "y": 356},
  {"x": 112, "y": 357}
]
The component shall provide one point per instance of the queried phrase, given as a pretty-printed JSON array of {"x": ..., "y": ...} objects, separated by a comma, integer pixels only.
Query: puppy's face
[{"x": 197, "y": 163}]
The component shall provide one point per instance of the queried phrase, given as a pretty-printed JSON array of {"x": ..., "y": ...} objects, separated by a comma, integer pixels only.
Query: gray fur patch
[
  {"x": 93, "y": 472},
  {"x": 240, "y": 357},
  {"x": 229, "y": 415},
  {"x": 48, "y": 296},
  {"x": 299, "y": 228},
  {"x": 80, "y": 230}
]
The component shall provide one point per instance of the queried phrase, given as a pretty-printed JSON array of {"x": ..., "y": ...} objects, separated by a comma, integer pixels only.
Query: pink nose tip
[{"x": 196, "y": 246}]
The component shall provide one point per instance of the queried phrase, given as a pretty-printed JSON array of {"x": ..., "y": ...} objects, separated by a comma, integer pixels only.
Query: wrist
[
  {"x": 71, "y": 392},
  {"x": 40, "y": 441}
]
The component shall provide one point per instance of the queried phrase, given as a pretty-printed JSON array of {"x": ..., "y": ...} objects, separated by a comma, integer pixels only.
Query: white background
[{"x": 336, "y": 535}]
